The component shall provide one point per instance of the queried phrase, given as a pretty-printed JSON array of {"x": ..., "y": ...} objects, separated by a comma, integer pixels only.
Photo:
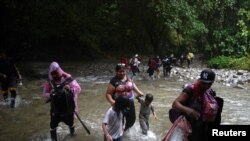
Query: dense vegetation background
[{"x": 96, "y": 29}]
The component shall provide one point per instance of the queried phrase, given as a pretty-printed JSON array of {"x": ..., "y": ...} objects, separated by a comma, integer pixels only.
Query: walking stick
[{"x": 85, "y": 127}]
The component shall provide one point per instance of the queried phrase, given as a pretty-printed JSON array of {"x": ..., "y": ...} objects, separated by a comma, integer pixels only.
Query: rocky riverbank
[{"x": 231, "y": 78}]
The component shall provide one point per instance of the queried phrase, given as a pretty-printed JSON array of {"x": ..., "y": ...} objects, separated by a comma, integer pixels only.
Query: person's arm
[
  {"x": 74, "y": 87},
  {"x": 46, "y": 91},
  {"x": 106, "y": 133},
  {"x": 3, "y": 75},
  {"x": 179, "y": 102},
  {"x": 153, "y": 112},
  {"x": 109, "y": 92},
  {"x": 139, "y": 98},
  {"x": 136, "y": 89}
]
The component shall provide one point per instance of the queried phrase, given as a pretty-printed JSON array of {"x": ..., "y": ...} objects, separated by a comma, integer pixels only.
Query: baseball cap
[{"x": 207, "y": 76}]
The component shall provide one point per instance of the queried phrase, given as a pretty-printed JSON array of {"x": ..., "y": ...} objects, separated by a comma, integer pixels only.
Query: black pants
[
  {"x": 7, "y": 83},
  {"x": 130, "y": 115},
  {"x": 150, "y": 71},
  {"x": 55, "y": 119}
]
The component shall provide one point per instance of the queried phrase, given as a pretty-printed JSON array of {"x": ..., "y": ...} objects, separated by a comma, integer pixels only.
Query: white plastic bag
[{"x": 177, "y": 135}]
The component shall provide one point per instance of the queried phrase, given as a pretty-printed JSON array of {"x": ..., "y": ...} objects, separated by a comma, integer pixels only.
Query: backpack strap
[{"x": 68, "y": 80}]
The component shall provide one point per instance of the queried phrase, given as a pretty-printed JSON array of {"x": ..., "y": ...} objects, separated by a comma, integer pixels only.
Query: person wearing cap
[
  {"x": 121, "y": 85},
  {"x": 191, "y": 103}
]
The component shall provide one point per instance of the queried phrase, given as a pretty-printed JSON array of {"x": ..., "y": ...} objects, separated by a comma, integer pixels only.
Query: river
[{"x": 29, "y": 121}]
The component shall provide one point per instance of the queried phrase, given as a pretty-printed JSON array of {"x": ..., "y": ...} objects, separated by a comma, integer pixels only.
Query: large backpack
[
  {"x": 62, "y": 101},
  {"x": 209, "y": 100}
]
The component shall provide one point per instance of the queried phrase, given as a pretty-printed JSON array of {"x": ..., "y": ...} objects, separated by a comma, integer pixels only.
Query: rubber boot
[
  {"x": 53, "y": 135},
  {"x": 72, "y": 131}
]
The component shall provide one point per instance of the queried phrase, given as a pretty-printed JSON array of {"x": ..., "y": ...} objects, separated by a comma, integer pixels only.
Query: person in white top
[{"x": 112, "y": 124}]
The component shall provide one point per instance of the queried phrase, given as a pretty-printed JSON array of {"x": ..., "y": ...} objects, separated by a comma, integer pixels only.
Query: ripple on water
[{"x": 135, "y": 134}]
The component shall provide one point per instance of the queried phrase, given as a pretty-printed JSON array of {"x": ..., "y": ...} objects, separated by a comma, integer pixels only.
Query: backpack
[
  {"x": 211, "y": 108},
  {"x": 62, "y": 101}
]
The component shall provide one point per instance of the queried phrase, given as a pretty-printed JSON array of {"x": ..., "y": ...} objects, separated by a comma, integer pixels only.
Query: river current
[{"x": 29, "y": 121}]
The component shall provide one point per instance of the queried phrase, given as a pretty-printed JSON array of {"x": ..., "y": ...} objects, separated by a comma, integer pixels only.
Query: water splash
[
  {"x": 135, "y": 133},
  {"x": 18, "y": 101}
]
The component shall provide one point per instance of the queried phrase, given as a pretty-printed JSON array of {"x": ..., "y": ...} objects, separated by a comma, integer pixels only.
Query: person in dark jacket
[{"x": 9, "y": 77}]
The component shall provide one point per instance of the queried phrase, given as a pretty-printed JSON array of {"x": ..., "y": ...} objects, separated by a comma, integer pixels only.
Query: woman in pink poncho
[{"x": 60, "y": 111}]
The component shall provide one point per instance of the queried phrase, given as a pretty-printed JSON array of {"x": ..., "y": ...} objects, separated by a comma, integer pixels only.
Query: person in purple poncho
[{"x": 62, "y": 91}]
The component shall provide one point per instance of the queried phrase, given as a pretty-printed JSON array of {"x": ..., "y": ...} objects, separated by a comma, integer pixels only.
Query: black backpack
[{"x": 62, "y": 101}]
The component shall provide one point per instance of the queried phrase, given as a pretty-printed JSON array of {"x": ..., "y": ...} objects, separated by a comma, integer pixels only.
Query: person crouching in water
[
  {"x": 146, "y": 108},
  {"x": 113, "y": 120},
  {"x": 62, "y": 91}
]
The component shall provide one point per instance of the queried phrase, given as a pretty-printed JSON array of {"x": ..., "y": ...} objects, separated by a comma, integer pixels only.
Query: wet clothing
[
  {"x": 190, "y": 57},
  {"x": 152, "y": 65},
  {"x": 130, "y": 115},
  {"x": 55, "y": 119},
  {"x": 63, "y": 101},
  {"x": 144, "y": 115},
  {"x": 135, "y": 62},
  {"x": 74, "y": 86},
  {"x": 114, "y": 123},
  {"x": 127, "y": 84},
  {"x": 199, "y": 127},
  {"x": 167, "y": 66},
  {"x": 128, "y": 93},
  {"x": 7, "y": 68},
  {"x": 182, "y": 58}
]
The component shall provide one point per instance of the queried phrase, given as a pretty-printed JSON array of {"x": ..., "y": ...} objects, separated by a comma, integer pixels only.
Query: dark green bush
[{"x": 231, "y": 62}]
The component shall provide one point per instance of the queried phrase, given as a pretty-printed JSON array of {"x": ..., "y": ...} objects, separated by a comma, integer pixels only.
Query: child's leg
[
  {"x": 147, "y": 124},
  {"x": 144, "y": 126}
]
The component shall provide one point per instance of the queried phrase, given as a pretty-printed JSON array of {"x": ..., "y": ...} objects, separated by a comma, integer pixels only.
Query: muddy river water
[{"x": 29, "y": 121}]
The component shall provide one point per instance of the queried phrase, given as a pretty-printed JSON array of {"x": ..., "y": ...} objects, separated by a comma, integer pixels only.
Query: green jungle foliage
[
  {"x": 97, "y": 29},
  {"x": 230, "y": 62}
]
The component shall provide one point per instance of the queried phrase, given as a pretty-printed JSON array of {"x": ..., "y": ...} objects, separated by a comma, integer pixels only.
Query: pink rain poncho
[{"x": 74, "y": 86}]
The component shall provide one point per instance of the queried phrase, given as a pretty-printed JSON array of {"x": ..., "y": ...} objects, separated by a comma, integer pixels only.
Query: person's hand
[
  {"x": 52, "y": 91},
  {"x": 120, "y": 88},
  {"x": 67, "y": 88},
  {"x": 20, "y": 77},
  {"x": 108, "y": 137},
  {"x": 155, "y": 117},
  {"x": 193, "y": 113},
  {"x": 19, "y": 81}
]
